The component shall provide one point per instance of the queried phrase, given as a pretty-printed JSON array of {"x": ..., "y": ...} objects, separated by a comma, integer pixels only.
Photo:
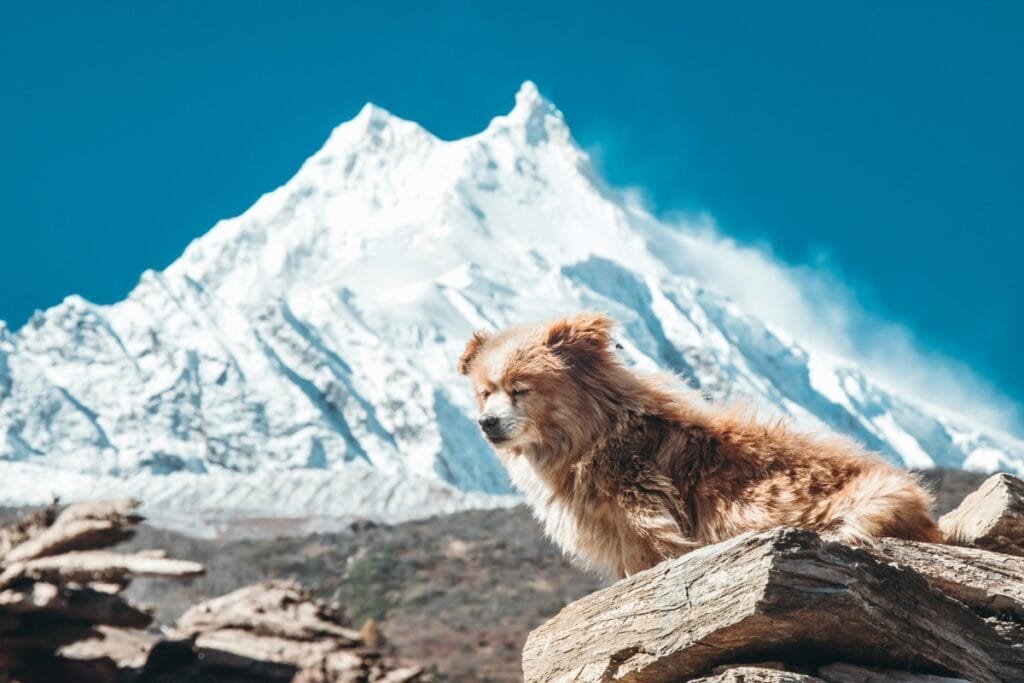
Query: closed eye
[
  {"x": 483, "y": 393},
  {"x": 519, "y": 393}
]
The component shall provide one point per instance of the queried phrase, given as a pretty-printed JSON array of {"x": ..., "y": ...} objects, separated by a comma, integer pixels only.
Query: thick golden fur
[{"x": 626, "y": 470}]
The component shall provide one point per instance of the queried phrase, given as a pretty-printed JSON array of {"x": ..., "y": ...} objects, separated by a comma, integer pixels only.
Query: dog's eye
[
  {"x": 519, "y": 393},
  {"x": 484, "y": 394}
]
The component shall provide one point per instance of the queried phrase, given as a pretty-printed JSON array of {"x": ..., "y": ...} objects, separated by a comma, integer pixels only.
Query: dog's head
[{"x": 535, "y": 384}]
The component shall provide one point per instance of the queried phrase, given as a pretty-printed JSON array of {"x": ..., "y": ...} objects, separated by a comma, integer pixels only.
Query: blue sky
[{"x": 881, "y": 142}]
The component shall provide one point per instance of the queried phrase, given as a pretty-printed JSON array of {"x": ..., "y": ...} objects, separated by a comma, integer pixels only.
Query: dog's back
[{"x": 752, "y": 476}]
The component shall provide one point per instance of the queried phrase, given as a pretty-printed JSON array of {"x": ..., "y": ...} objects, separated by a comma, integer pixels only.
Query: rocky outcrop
[
  {"x": 991, "y": 518},
  {"x": 62, "y": 615},
  {"x": 275, "y": 631},
  {"x": 901, "y": 611},
  {"x": 59, "y": 587}
]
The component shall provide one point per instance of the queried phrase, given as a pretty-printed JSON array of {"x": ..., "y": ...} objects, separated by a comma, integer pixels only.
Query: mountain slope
[{"x": 300, "y": 358}]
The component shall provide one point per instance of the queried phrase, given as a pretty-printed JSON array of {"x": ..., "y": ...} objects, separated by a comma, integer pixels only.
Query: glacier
[{"x": 299, "y": 360}]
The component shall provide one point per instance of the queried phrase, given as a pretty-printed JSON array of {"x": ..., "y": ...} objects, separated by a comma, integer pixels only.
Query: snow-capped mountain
[{"x": 300, "y": 359}]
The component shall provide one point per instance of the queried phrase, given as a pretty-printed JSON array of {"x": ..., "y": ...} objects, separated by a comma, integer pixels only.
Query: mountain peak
[
  {"x": 539, "y": 120},
  {"x": 373, "y": 127},
  {"x": 372, "y": 113},
  {"x": 529, "y": 96}
]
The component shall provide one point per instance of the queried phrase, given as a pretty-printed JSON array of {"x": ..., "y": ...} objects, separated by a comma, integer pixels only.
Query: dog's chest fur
[
  {"x": 589, "y": 528},
  {"x": 559, "y": 520}
]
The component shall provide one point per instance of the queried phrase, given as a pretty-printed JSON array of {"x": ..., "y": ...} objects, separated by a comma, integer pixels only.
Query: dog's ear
[
  {"x": 473, "y": 347},
  {"x": 581, "y": 335}
]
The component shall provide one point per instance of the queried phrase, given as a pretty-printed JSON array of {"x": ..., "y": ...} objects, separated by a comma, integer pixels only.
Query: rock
[
  {"x": 99, "y": 566},
  {"x": 269, "y": 632},
  {"x": 75, "y": 604},
  {"x": 94, "y": 524},
  {"x": 127, "y": 649},
  {"x": 275, "y": 608},
  {"x": 779, "y": 593},
  {"x": 756, "y": 674},
  {"x": 61, "y": 615},
  {"x": 991, "y": 518},
  {"x": 850, "y": 673},
  {"x": 990, "y": 583}
]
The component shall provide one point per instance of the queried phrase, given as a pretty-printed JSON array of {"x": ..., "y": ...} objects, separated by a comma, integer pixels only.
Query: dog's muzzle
[{"x": 492, "y": 428}]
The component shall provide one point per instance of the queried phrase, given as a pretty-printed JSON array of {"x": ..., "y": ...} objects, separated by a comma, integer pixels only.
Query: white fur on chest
[{"x": 559, "y": 521}]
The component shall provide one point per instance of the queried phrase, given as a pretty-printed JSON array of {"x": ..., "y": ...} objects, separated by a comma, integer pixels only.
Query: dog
[{"x": 625, "y": 470}]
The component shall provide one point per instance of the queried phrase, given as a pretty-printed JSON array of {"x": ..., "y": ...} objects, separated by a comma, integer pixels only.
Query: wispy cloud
[{"x": 815, "y": 305}]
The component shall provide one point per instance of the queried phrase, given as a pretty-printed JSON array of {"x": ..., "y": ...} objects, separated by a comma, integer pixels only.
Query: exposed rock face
[
  {"x": 58, "y": 587},
  {"x": 62, "y": 616},
  {"x": 902, "y": 611},
  {"x": 757, "y": 674},
  {"x": 991, "y": 518},
  {"x": 270, "y": 632}
]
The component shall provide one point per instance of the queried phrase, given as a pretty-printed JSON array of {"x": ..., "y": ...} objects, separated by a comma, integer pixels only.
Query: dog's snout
[{"x": 493, "y": 428}]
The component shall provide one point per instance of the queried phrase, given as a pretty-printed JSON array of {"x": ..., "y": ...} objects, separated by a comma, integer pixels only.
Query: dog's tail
[{"x": 881, "y": 502}]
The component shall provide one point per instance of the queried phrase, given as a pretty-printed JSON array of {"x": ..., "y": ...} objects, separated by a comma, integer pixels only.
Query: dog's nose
[{"x": 488, "y": 422}]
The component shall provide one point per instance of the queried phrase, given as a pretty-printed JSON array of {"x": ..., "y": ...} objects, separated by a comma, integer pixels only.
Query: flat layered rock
[
  {"x": 97, "y": 566},
  {"x": 61, "y": 613},
  {"x": 990, "y": 583},
  {"x": 775, "y": 595},
  {"x": 272, "y": 631},
  {"x": 81, "y": 526},
  {"x": 754, "y": 674},
  {"x": 276, "y": 608},
  {"x": 127, "y": 649},
  {"x": 851, "y": 673},
  {"x": 991, "y": 518}
]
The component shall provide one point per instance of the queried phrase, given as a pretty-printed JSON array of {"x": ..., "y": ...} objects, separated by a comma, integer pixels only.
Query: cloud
[{"x": 812, "y": 303}]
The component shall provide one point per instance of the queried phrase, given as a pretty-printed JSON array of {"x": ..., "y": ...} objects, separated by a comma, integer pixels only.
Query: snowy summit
[{"x": 299, "y": 359}]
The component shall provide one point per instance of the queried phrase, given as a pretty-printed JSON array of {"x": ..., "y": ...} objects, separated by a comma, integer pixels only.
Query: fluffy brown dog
[{"x": 625, "y": 470}]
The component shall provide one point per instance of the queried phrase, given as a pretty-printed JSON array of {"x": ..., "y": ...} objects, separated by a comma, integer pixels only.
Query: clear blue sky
[{"x": 885, "y": 135}]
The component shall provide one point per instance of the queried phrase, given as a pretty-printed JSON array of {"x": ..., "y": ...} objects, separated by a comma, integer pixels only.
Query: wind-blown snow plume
[
  {"x": 812, "y": 304},
  {"x": 300, "y": 359}
]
